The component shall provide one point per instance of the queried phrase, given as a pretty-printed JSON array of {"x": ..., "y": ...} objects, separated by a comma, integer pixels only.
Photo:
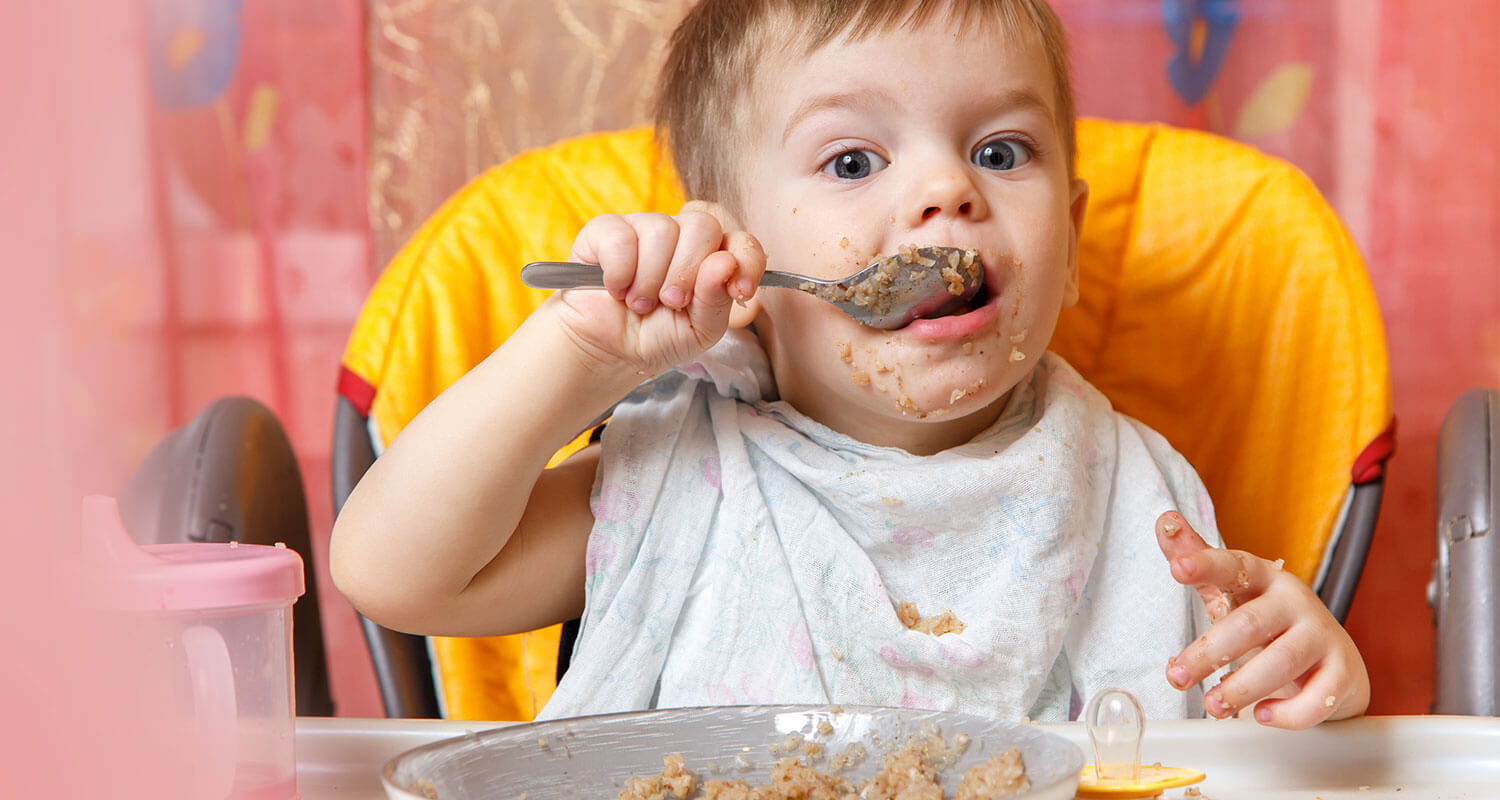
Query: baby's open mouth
[{"x": 956, "y": 306}]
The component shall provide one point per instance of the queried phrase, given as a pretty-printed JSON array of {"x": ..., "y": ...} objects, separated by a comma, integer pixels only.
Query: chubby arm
[
  {"x": 435, "y": 536},
  {"x": 458, "y": 528},
  {"x": 1300, "y": 666}
]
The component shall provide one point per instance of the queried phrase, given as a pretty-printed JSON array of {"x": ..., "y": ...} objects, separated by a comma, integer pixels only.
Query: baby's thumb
[
  {"x": 751, "y": 258},
  {"x": 708, "y": 313},
  {"x": 1177, "y": 539}
]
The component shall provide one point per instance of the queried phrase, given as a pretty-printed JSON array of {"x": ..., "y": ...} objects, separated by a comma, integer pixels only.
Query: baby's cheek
[
  {"x": 869, "y": 370},
  {"x": 864, "y": 367},
  {"x": 834, "y": 258}
]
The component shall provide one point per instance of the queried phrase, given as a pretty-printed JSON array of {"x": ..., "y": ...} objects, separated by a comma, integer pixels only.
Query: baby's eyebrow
[
  {"x": 1021, "y": 99},
  {"x": 1017, "y": 99},
  {"x": 866, "y": 98}
]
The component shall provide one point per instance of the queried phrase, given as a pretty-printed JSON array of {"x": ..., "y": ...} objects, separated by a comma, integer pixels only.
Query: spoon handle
[
  {"x": 561, "y": 275},
  {"x": 573, "y": 275}
]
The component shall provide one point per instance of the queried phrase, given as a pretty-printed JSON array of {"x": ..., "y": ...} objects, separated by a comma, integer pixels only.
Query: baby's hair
[{"x": 710, "y": 68}]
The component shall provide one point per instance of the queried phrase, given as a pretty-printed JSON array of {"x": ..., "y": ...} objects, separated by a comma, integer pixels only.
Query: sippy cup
[{"x": 218, "y": 619}]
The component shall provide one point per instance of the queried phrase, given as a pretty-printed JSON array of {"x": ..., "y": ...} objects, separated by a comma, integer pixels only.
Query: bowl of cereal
[{"x": 745, "y": 753}]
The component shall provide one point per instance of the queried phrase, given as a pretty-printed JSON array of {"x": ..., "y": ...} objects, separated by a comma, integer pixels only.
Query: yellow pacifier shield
[{"x": 1151, "y": 782}]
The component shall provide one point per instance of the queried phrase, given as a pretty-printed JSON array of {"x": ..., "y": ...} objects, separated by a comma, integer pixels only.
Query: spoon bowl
[{"x": 916, "y": 282}]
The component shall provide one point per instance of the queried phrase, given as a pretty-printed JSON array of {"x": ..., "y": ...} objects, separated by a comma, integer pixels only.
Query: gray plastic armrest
[
  {"x": 1466, "y": 580},
  {"x": 1347, "y": 562}
]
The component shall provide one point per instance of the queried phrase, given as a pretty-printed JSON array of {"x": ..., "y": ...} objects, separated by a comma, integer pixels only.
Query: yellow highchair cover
[{"x": 1222, "y": 303}]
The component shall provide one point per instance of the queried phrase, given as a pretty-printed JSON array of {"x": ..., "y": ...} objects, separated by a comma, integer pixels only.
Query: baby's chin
[
  {"x": 927, "y": 398},
  {"x": 958, "y": 403},
  {"x": 915, "y": 429}
]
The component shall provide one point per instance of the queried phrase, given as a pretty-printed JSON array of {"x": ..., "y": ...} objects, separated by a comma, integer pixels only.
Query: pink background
[{"x": 160, "y": 255}]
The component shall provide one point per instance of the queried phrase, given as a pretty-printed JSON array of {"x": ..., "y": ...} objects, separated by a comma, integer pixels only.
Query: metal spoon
[{"x": 914, "y": 283}]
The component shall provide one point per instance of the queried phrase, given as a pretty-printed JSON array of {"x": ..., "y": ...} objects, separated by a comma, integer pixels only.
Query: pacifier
[{"x": 1116, "y": 726}]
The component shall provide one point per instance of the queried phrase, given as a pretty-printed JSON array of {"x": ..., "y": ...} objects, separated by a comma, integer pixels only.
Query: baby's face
[{"x": 923, "y": 137}]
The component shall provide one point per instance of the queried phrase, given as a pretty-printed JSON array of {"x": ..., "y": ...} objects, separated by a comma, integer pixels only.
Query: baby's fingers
[
  {"x": 1246, "y": 628},
  {"x": 658, "y": 236},
  {"x": 610, "y": 241},
  {"x": 1286, "y": 659},
  {"x": 1325, "y": 695},
  {"x": 699, "y": 235},
  {"x": 1235, "y": 572}
]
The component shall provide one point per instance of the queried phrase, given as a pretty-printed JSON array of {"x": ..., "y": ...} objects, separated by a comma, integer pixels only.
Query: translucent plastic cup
[{"x": 217, "y": 620}]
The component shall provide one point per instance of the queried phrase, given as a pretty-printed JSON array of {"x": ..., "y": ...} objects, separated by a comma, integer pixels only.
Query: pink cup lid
[{"x": 183, "y": 577}]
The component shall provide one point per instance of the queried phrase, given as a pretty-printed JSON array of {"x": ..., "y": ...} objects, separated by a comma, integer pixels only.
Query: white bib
[{"x": 745, "y": 554}]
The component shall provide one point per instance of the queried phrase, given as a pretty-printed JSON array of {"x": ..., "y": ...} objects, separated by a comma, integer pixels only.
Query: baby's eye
[
  {"x": 851, "y": 165},
  {"x": 1001, "y": 154}
]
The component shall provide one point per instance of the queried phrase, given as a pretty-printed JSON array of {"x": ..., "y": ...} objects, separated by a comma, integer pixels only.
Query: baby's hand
[
  {"x": 1297, "y": 660},
  {"x": 670, "y": 280}
]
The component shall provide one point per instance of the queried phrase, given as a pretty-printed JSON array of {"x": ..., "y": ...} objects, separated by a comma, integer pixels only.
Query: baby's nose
[
  {"x": 964, "y": 209},
  {"x": 948, "y": 193}
]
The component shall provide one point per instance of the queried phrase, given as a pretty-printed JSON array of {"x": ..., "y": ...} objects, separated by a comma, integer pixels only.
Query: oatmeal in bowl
[{"x": 746, "y": 753}]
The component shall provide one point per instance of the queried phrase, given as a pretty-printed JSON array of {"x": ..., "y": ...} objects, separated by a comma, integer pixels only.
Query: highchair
[{"x": 1223, "y": 304}]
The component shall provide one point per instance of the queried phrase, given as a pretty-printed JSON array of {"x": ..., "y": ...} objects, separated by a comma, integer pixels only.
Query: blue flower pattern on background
[
  {"x": 1193, "y": 74},
  {"x": 210, "y": 67}
]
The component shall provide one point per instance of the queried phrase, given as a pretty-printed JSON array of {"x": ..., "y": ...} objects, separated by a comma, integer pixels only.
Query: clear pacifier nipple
[{"x": 1116, "y": 726}]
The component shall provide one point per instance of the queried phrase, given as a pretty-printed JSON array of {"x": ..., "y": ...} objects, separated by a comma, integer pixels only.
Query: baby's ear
[{"x": 1076, "y": 209}]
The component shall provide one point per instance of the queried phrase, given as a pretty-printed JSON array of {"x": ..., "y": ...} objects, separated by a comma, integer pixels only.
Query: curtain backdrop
[{"x": 203, "y": 190}]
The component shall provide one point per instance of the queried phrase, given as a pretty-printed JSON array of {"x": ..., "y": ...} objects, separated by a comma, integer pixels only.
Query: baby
[{"x": 792, "y": 507}]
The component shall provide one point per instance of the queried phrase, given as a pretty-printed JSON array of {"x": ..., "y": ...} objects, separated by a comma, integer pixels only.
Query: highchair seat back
[{"x": 1223, "y": 304}]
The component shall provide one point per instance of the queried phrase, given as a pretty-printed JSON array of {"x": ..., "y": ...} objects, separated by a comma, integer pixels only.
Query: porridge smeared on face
[{"x": 913, "y": 772}]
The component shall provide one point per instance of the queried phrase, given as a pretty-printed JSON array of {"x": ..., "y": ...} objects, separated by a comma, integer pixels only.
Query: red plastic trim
[
  {"x": 1370, "y": 465},
  {"x": 356, "y": 390}
]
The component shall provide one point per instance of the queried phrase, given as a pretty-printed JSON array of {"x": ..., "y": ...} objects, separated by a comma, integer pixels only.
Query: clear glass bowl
[{"x": 591, "y": 757}]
